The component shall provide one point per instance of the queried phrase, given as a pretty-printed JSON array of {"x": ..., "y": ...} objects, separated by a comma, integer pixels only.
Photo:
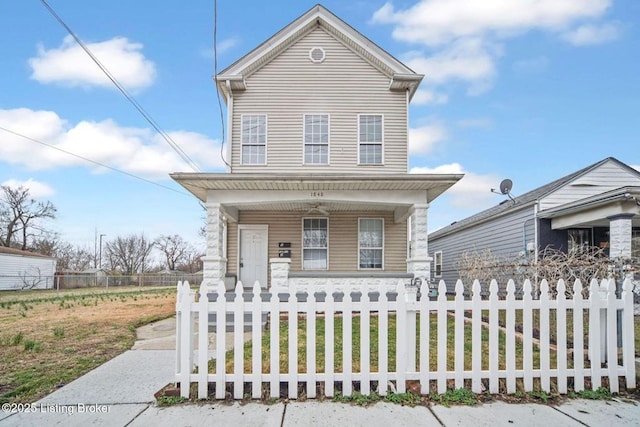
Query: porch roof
[{"x": 200, "y": 183}]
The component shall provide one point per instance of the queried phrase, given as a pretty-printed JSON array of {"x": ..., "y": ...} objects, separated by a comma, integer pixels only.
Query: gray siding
[
  {"x": 606, "y": 177},
  {"x": 504, "y": 235},
  {"x": 343, "y": 86}
]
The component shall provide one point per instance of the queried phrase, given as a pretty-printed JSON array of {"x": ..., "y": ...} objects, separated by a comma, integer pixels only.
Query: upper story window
[
  {"x": 254, "y": 139},
  {"x": 316, "y": 139},
  {"x": 370, "y": 242},
  {"x": 370, "y": 139}
]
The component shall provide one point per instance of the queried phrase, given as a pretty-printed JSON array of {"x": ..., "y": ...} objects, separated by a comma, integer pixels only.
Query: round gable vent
[{"x": 317, "y": 54}]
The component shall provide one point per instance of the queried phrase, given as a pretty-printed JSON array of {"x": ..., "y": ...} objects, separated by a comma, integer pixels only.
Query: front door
[{"x": 253, "y": 255}]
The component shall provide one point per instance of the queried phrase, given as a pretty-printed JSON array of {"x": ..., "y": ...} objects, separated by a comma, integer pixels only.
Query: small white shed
[{"x": 25, "y": 270}]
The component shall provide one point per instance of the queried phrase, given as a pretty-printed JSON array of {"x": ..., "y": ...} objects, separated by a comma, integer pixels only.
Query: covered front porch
[
  {"x": 610, "y": 221},
  {"x": 310, "y": 229}
]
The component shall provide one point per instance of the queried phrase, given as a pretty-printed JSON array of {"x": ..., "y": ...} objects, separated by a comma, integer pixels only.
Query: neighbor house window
[
  {"x": 579, "y": 240},
  {"x": 437, "y": 261},
  {"x": 316, "y": 139},
  {"x": 254, "y": 139},
  {"x": 635, "y": 243},
  {"x": 315, "y": 241},
  {"x": 370, "y": 242},
  {"x": 370, "y": 139}
]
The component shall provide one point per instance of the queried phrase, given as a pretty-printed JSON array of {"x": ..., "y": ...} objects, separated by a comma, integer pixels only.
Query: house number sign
[{"x": 317, "y": 194}]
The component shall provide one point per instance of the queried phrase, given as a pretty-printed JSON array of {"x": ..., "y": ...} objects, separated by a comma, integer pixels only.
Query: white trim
[
  {"x": 381, "y": 142},
  {"x": 317, "y": 61},
  {"x": 383, "y": 241},
  {"x": 304, "y": 143},
  {"x": 435, "y": 263},
  {"x": 302, "y": 248},
  {"x": 266, "y": 138}
]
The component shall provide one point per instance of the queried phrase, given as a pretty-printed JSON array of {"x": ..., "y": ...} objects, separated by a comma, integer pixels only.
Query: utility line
[
  {"x": 215, "y": 77},
  {"x": 92, "y": 161},
  {"x": 124, "y": 92}
]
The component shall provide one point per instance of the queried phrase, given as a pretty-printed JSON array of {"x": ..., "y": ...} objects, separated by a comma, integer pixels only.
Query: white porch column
[
  {"x": 215, "y": 262},
  {"x": 280, "y": 272},
  {"x": 419, "y": 262},
  {"x": 620, "y": 236}
]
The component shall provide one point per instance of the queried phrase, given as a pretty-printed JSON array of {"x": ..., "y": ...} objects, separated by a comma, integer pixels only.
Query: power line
[
  {"x": 124, "y": 92},
  {"x": 215, "y": 76},
  {"x": 92, "y": 161}
]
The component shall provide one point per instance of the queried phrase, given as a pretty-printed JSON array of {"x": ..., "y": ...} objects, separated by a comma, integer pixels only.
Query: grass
[{"x": 49, "y": 339}]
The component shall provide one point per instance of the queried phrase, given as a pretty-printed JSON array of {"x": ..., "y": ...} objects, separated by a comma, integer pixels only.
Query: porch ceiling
[{"x": 199, "y": 184}]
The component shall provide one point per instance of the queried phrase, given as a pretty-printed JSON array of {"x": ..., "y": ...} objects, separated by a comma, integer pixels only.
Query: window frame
[
  {"x": 303, "y": 248},
  {"x": 361, "y": 143},
  {"x": 381, "y": 248},
  {"x": 437, "y": 264},
  {"x": 242, "y": 136},
  {"x": 305, "y": 143}
]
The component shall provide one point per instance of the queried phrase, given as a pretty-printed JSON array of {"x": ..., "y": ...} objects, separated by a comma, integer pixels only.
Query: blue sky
[{"x": 529, "y": 90}]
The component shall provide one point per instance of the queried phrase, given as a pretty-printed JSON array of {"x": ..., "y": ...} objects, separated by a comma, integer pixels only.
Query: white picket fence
[{"x": 580, "y": 356}]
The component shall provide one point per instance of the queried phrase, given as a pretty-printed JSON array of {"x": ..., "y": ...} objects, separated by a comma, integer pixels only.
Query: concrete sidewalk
[{"x": 120, "y": 393}]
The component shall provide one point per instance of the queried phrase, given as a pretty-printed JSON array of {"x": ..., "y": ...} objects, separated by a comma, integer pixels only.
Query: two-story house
[{"x": 317, "y": 187}]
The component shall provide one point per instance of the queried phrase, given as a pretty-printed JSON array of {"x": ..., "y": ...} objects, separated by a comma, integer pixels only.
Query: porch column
[
  {"x": 419, "y": 262},
  {"x": 215, "y": 262},
  {"x": 620, "y": 236}
]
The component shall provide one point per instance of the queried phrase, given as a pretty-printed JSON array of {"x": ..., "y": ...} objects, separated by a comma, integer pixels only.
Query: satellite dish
[{"x": 505, "y": 186}]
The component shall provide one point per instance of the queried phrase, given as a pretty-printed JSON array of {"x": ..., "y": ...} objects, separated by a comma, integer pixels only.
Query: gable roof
[
  {"x": 524, "y": 200},
  {"x": 401, "y": 76}
]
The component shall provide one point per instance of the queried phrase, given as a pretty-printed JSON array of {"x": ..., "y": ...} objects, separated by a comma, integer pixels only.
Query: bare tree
[
  {"x": 175, "y": 249},
  {"x": 69, "y": 257},
  {"x": 129, "y": 254},
  {"x": 21, "y": 216}
]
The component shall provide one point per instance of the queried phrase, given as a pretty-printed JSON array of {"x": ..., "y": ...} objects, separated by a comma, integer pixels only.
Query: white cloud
[
  {"x": 223, "y": 46},
  {"x": 470, "y": 60},
  {"x": 139, "y": 151},
  {"x": 423, "y": 139},
  {"x": 436, "y": 22},
  {"x": 464, "y": 39},
  {"x": 36, "y": 189},
  {"x": 472, "y": 192},
  {"x": 588, "y": 34},
  {"x": 70, "y": 65},
  {"x": 425, "y": 97}
]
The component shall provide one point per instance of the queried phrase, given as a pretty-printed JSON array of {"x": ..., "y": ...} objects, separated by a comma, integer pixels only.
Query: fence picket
[
  {"x": 383, "y": 341},
  {"x": 293, "y": 345},
  {"x": 561, "y": 337},
  {"x": 594, "y": 335},
  {"x": 256, "y": 342},
  {"x": 494, "y": 344},
  {"x": 238, "y": 341},
  {"x": 510, "y": 339},
  {"x": 347, "y": 343},
  {"x": 186, "y": 338},
  {"x": 424, "y": 338},
  {"x": 203, "y": 342},
  {"x": 545, "y": 377},
  {"x": 274, "y": 344},
  {"x": 442, "y": 338},
  {"x": 527, "y": 335},
  {"x": 311, "y": 344},
  {"x": 365, "y": 356},
  {"x": 628, "y": 336},
  {"x": 401, "y": 338},
  {"x": 329, "y": 343},
  {"x": 459, "y": 336},
  {"x": 578, "y": 337},
  {"x": 612, "y": 335},
  {"x": 476, "y": 337},
  {"x": 221, "y": 329}
]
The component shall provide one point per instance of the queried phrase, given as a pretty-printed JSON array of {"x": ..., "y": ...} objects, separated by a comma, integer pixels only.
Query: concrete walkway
[{"x": 120, "y": 393}]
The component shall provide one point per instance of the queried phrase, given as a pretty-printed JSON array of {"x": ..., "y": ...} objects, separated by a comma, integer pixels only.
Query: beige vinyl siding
[
  {"x": 343, "y": 238},
  {"x": 343, "y": 86},
  {"x": 606, "y": 177}
]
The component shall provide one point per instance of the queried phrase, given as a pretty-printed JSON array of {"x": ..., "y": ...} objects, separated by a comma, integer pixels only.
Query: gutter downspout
[{"x": 229, "y": 124}]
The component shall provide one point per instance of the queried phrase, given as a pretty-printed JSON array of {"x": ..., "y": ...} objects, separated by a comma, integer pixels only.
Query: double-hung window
[
  {"x": 438, "y": 263},
  {"x": 316, "y": 139},
  {"x": 370, "y": 129},
  {"x": 370, "y": 242},
  {"x": 254, "y": 139},
  {"x": 315, "y": 240}
]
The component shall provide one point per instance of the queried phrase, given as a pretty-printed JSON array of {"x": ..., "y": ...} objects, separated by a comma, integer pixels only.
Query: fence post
[
  {"x": 185, "y": 357},
  {"x": 628, "y": 349},
  {"x": 411, "y": 296}
]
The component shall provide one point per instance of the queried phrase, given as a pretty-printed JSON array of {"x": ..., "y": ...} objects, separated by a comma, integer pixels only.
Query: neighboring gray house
[
  {"x": 317, "y": 187},
  {"x": 595, "y": 206},
  {"x": 25, "y": 270}
]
